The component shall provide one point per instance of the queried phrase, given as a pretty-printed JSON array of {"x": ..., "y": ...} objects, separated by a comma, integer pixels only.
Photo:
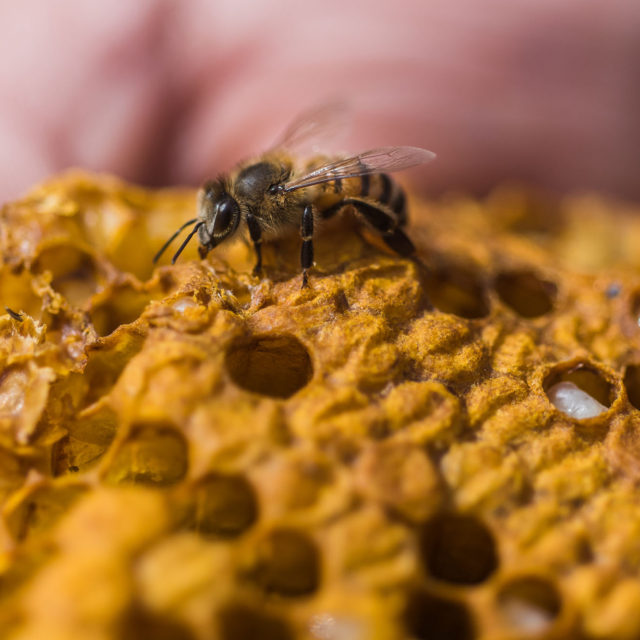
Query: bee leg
[
  {"x": 385, "y": 223},
  {"x": 256, "y": 237},
  {"x": 306, "y": 252},
  {"x": 399, "y": 242}
]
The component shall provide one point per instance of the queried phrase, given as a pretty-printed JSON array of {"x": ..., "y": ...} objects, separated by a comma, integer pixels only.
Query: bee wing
[
  {"x": 383, "y": 159},
  {"x": 320, "y": 125}
]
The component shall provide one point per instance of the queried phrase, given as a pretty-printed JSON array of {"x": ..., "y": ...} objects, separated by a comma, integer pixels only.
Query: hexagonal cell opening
[
  {"x": 224, "y": 506},
  {"x": 632, "y": 384},
  {"x": 457, "y": 291},
  {"x": 90, "y": 435},
  {"x": 271, "y": 365},
  {"x": 141, "y": 624},
  {"x": 123, "y": 306},
  {"x": 73, "y": 270},
  {"x": 579, "y": 389},
  {"x": 458, "y": 549},
  {"x": 525, "y": 293},
  {"x": 428, "y": 617},
  {"x": 240, "y": 622},
  {"x": 288, "y": 564},
  {"x": 154, "y": 454},
  {"x": 529, "y": 604}
]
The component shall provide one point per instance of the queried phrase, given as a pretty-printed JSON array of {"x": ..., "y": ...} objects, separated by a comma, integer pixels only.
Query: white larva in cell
[{"x": 575, "y": 402}]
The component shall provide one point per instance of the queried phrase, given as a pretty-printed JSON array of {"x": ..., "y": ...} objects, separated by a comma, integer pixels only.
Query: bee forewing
[
  {"x": 381, "y": 160},
  {"x": 315, "y": 129}
]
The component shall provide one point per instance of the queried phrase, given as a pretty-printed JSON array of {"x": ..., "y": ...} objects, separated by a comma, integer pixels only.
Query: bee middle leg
[
  {"x": 306, "y": 251},
  {"x": 255, "y": 232},
  {"x": 385, "y": 223}
]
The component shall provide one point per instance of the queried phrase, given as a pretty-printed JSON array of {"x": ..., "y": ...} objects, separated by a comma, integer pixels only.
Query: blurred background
[{"x": 163, "y": 92}]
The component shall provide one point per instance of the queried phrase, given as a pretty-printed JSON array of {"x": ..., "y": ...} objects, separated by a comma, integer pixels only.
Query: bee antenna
[
  {"x": 186, "y": 242},
  {"x": 171, "y": 239}
]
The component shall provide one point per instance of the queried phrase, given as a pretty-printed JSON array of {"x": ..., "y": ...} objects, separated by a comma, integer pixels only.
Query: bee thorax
[{"x": 253, "y": 181}]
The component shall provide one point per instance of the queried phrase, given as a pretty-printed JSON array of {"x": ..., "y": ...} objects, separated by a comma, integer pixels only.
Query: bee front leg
[
  {"x": 306, "y": 252},
  {"x": 256, "y": 237}
]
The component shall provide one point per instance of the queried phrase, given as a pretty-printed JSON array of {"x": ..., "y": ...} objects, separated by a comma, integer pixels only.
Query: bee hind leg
[
  {"x": 306, "y": 251},
  {"x": 382, "y": 220},
  {"x": 255, "y": 232}
]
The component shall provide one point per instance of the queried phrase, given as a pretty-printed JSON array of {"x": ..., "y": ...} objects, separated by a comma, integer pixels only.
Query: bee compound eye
[{"x": 225, "y": 212}]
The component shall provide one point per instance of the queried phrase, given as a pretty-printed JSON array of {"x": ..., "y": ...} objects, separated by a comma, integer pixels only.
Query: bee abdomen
[
  {"x": 381, "y": 188},
  {"x": 399, "y": 206},
  {"x": 385, "y": 185},
  {"x": 377, "y": 188}
]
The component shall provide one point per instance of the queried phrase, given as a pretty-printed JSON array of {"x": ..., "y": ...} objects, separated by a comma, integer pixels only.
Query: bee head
[{"x": 219, "y": 214}]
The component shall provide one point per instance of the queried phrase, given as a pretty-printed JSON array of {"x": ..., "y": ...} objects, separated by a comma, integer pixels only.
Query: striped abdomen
[{"x": 378, "y": 188}]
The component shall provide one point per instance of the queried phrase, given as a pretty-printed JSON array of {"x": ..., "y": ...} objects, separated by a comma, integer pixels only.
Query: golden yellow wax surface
[{"x": 192, "y": 452}]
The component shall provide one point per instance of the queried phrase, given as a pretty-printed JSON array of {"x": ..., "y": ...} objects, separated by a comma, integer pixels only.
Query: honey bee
[{"x": 275, "y": 192}]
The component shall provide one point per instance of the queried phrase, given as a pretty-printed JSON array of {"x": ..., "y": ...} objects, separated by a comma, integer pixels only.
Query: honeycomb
[{"x": 189, "y": 452}]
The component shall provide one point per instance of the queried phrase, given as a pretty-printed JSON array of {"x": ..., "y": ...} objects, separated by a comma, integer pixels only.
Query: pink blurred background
[{"x": 164, "y": 92}]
